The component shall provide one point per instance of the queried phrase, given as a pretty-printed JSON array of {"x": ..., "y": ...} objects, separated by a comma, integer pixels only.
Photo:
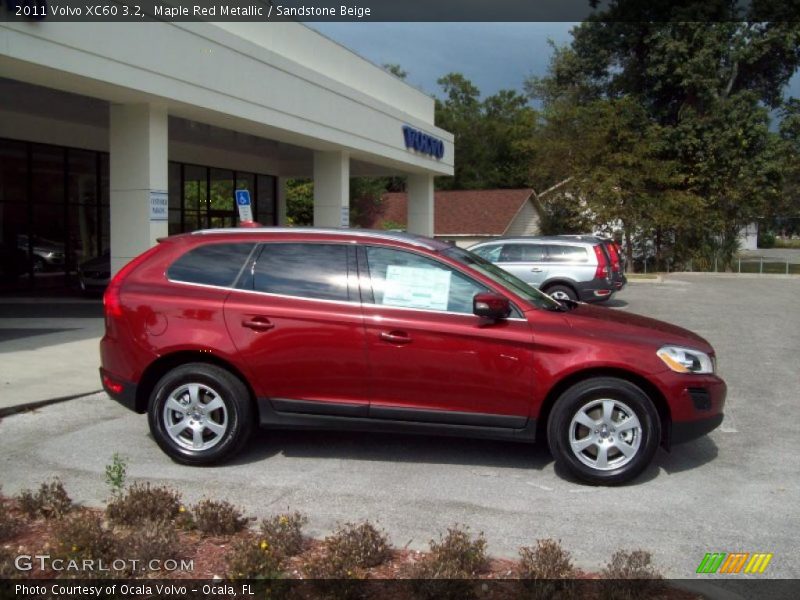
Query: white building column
[
  {"x": 331, "y": 189},
  {"x": 280, "y": 204},
  {"x": 138, "y": 172},
  {"x": 420, "y": 203}
]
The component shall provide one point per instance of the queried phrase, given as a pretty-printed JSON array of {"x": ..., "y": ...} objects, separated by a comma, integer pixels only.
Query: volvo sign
[{"x": 422, "y": 142}]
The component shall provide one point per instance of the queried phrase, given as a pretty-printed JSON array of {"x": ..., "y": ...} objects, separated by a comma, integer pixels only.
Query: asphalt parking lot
[{"x": 735, "y": 490}]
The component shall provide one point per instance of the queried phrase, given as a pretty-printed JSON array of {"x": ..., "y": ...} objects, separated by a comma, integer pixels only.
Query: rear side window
[
  {"x": 522, "y": 253},
  {"x": 211, "y": 264},
  {"x": 568, "y": 254},
  {"x": 317, "y": 271}
]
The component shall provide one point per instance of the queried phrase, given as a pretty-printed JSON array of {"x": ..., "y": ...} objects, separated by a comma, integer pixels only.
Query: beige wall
[{"x": 526, "y": 222}]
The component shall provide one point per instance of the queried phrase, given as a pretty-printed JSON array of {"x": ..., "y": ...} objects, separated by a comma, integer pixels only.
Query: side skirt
[{"x": 402, "y": 421}]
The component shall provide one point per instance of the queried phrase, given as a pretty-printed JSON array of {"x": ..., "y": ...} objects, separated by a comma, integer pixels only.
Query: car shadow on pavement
[
  {"x": 394, "y": 448},
  {"x": 615, "y": 303},
  {"x": 687, "y": 456}
]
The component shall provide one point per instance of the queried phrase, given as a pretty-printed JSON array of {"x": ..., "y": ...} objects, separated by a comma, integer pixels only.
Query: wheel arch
[
  {"x": 652, "y": 391},
  {"x": 559, "y": 281},
  {"x": 158, "y": 368}
]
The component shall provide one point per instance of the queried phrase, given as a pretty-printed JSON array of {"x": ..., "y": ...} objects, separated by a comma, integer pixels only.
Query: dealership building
[{"x": 114, "y": 135}]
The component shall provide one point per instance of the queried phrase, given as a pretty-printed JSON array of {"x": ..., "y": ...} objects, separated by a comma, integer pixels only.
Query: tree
[
  {"x": 395, "y": 70},
  {"x": 493, "y": 136},
  {"x": 689, "y": 93}
]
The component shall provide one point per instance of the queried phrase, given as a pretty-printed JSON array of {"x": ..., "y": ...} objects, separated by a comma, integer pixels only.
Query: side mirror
[{"x": 491, "y": 306}]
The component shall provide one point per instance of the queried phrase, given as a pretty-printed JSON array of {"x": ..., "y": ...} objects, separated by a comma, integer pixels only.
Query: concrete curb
[
  {"x": 20, "y": 408},
  {"x": 656, "y": 279}
]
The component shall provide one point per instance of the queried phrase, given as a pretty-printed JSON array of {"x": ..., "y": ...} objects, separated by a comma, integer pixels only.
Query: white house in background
[{"x": 748, "y": 237}]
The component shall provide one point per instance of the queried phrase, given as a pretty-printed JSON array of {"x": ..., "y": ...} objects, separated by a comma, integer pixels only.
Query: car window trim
[
  {"x": 346, "y": 245},
  {"x": 363, "y": 256},
  {"x": 222, "y": 243}
]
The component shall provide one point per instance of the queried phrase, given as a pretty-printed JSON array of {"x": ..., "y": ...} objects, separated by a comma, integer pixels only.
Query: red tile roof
[{"x": 457, "y": 212}]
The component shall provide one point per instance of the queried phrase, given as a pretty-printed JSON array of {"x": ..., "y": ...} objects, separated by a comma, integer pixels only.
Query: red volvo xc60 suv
[{"x": 214, "y": 332}]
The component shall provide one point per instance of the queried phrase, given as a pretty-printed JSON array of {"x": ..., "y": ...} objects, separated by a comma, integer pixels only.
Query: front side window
[
  {"x": 491, "y": 253},
  {"x": 408, "y": 280},
  {"x": 211, "y": 264},
  {"x": 316, "y": 271}
]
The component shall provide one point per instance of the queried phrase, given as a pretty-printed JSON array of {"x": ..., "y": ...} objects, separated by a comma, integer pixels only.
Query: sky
[{"x": 493, "y": 56}]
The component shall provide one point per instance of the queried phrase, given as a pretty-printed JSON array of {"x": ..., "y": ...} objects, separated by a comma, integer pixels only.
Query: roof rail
[{"x": 397, "y": 236}]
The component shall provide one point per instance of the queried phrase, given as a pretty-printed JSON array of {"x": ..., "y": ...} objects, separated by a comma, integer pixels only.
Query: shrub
[
  {"x": 50, "y": 501},
  {"x": 7, "y": 570},
  {"x": 548, "y": 560},
  {"x": 253, "y": 559},
  {"x": 358, "y": 545},
  {"x": 214, "y": 517},
  {"x": 155, "y": 540},
  {"x": 284, "y": 533},
  {"x": 543, "y": 567},
  {"x": 633, "y": 574},
  {"x": 455, "y": 555},
  {"x": 351, "y": 549},
  {"x": 9, "y": 524},
  {"x": 143, "y": 503},
  {"x": 82, "y": 536}
]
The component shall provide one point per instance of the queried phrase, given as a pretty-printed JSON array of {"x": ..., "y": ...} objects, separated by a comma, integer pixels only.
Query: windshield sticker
[{"x": 414, "y": 287}]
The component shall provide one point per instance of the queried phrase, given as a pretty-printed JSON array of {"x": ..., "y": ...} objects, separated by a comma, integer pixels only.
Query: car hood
[{"x": 616, "y": 323}]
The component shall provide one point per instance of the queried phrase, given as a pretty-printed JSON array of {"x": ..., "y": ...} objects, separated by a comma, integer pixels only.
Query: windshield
[{"x": 504, "y": 278}]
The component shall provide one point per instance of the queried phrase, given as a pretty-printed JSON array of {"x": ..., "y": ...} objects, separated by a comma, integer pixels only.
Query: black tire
[
  {"x": 232, "y": 420},
  {"x": 584, "y": 400},
  {"x": 557, "y": 290}
]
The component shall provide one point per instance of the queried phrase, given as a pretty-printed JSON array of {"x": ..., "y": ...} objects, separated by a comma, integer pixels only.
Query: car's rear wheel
[
  {"x": 561, "y": 292},
  {"x": 200, "y": 414},
  {"x": 604, "y": 430}
]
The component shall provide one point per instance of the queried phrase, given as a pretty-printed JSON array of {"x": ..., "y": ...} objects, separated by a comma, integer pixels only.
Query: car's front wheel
[
  {"x": 604, "y": 430},
  {"x": 200, "y": 414}
]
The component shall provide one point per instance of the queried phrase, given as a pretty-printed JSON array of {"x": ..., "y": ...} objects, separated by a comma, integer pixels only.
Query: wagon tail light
[
  {"x": 612, "y": 251},
  {"x": 112, "y": 301},
  {"x": 602, "y": 264}
]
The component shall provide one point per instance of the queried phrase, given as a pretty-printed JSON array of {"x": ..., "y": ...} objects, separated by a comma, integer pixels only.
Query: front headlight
[{"x": 686, "y": 360}]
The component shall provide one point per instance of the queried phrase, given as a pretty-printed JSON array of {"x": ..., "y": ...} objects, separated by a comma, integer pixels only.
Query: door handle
[
  {"x": 258, "y": 324},
  {"x": 536, "y": 270},
  {"x": 395, "y": 337}
]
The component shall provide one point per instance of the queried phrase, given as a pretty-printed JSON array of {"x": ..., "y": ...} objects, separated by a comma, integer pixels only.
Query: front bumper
[{"x": 696, "y": 404}]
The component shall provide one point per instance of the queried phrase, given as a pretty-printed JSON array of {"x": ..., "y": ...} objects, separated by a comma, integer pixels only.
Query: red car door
[
  {"x": 430, "y": 358},
  {"x": 298, "y": 327}
]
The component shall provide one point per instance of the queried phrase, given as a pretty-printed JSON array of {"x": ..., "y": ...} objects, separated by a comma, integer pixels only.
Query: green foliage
[
  {"x": 116, "y": 473},
  {"x": 142, "y": 504},
  {"x": 663, "y": 124},
  {"x": 218, "y": 517},
  {"x": 395, "y": 70},
  {"x": 284, "y": 533},
  {"x": 9, "y": 524},
  {"x": 50, "y": 501},
  {"x": 300, "y": 202},
  {"x": 494, "y": 135}
]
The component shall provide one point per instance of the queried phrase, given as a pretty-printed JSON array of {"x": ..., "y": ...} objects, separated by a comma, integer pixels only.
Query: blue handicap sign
[{"x": 242, "y": 197}]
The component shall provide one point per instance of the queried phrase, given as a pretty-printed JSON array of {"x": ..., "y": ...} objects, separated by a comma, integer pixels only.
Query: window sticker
[{"x": 414, "y": 287}]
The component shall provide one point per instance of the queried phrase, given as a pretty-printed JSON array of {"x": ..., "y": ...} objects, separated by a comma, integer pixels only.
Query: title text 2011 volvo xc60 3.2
[{"x": 215, "y": 332}]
